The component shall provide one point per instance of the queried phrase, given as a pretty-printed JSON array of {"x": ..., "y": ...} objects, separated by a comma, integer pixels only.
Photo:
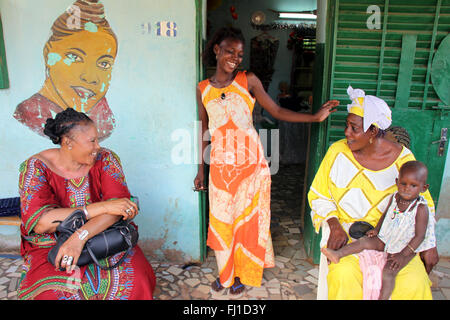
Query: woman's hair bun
[
  {"x": 64, "y": 121},
  {"x": 50, "y": 130}
]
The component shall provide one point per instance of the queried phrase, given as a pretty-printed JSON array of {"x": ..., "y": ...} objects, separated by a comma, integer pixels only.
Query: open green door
[{"x": 400, "y": 60}]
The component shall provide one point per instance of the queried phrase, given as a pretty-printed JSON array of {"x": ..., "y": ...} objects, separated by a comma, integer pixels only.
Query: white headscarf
[{"x": 373, "y": 110}]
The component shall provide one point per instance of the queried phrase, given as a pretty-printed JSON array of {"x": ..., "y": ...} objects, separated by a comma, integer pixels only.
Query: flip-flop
[
  {"x": 218, "y": 284},
  {"x": 235, "y": 296}
]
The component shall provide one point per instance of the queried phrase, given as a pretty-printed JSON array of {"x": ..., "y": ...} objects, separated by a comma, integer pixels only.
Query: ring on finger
[
  {"x": 128, "y": 211},
  {"x": 69, "y": 261},
  {"x": 64, "y": 259}
]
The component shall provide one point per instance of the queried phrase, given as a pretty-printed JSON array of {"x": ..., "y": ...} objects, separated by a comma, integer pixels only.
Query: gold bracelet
[{"x": 414, "y": 251}]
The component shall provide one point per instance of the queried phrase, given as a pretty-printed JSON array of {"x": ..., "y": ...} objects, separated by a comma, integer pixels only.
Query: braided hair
[
  {"x": 63, "y": 123},
  {"x": 208, "y": 56}
]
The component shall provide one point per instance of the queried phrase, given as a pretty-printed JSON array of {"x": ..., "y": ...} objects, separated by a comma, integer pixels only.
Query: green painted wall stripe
[{"x": 4, "y": 80}]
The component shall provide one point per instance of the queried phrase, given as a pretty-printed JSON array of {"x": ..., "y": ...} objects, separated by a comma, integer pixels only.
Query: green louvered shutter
[{"x": 395, "y": 64}]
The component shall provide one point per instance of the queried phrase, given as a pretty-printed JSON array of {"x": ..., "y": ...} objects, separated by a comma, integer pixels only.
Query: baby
[{"x": 401, "y": 229}]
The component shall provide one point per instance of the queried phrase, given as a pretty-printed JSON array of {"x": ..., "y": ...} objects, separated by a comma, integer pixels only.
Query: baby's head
[{"x": 412, "y": 180}]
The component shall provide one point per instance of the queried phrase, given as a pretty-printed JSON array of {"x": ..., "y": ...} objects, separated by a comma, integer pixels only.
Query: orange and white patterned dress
[{"x": 239, "y": 185}]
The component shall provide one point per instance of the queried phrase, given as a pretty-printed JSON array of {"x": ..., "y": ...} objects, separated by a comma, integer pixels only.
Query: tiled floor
[{"x": 293, "y": 278}]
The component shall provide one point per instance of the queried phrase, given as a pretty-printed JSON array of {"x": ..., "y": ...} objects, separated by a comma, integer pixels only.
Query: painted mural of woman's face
[{"x": 79, "y": 68}]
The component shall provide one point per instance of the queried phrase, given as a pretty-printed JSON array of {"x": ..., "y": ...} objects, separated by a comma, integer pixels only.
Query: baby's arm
[
  {"x": 420, "y": 229},
  {"x": 401, "y": 259},
  {"x": 376, "y": 230}
]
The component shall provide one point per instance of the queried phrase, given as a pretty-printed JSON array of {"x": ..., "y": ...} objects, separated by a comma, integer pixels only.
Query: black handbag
[
  {"x": 359, "y": 228},
  {"x": 121, "y": 236}
]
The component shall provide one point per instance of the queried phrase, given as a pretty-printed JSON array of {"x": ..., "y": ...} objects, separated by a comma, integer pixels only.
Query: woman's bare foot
[
  {"x": 331, "y": 255},
  {"x": 237, "y": 287},
  {"x": 217, "y": 286}
]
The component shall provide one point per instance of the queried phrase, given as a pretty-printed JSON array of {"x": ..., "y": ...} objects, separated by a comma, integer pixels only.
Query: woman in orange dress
[{"x": 239, "y": 181}]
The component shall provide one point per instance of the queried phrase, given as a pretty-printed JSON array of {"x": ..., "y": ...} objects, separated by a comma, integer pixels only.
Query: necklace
[
  {"x": 397, "y": 210},
  {"x": 404, "y": 202}
]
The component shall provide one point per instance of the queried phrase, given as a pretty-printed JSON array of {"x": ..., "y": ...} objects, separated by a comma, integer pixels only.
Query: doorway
[{"x": 282, "y": 54}]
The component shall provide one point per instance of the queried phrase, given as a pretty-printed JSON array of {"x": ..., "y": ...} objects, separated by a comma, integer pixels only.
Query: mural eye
[
  {"x": 105, "y": 65},
  {"x": 74, "y": 57}
]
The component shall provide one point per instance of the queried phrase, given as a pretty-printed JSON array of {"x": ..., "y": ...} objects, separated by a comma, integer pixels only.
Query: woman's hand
[
  {"x": 121, "y": 207},
  {"x": 326, "y": 109},
  {"x": 397, "y": 261},
  {"x": 199, "y": 181},
  {"x": 69, "y": 253},
  {"x": 430, "y": 258},
  {"x": 338, "y": 238}
]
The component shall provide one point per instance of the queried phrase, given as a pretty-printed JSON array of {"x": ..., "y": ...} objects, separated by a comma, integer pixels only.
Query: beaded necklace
[{"x": 397, "y": 210}]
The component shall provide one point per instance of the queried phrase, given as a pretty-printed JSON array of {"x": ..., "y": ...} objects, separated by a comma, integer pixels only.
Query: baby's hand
[{"x": 372, "y": 233}]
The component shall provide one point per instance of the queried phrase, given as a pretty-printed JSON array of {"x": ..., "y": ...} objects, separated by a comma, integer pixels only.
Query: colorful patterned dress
[
  {"x": 41, "y": 189},
  {"x": 344, "y": 189},
  {"x": 239, "y": 185}
]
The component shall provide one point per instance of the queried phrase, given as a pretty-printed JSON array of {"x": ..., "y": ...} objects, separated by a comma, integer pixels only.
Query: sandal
[
  {"x": 216, "y": 286},
  {"x": 235, "y": 290}
]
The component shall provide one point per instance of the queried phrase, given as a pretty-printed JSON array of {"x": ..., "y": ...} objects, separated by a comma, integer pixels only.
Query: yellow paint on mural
[{"x": 81, "y": 76}]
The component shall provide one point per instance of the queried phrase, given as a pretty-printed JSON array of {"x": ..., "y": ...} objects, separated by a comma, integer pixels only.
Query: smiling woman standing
[
  {"x": 239, "y": 182},
  {"x": 78, "y": 56},
  {"x": 52, "y": 184}
]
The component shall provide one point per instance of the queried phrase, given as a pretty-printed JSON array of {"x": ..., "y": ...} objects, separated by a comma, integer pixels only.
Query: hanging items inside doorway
[{"x": 263, "y": 51}]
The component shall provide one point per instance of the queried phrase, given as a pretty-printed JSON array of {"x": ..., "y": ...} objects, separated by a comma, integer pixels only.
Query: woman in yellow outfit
[{"x": 354, "y": 183}]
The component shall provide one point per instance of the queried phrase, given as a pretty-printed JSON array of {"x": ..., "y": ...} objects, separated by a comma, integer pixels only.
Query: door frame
[{"x": 200, "y": 27}]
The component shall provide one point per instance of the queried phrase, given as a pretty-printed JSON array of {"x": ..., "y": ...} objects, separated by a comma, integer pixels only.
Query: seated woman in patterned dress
[{"x": 55, "y": 182}]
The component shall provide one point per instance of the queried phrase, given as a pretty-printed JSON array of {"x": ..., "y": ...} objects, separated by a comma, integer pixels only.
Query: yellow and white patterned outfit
[{"x": 344, "y": 189}]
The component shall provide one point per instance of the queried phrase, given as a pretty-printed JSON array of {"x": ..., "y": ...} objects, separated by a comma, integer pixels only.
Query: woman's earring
[{"x": 371, "y": 140}]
